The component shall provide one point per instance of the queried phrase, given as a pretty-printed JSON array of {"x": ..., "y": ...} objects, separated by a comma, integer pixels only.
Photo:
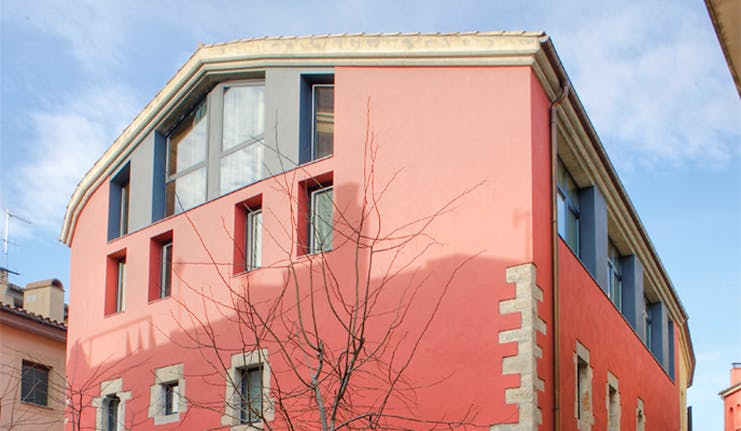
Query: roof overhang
[{"x": 726, "y": 18}]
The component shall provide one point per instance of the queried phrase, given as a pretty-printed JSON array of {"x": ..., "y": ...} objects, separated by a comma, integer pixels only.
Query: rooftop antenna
[{"x": 8, "y": 215}]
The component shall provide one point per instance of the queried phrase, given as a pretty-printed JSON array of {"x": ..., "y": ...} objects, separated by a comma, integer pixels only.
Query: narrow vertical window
[
  {"x": 124, "y": 228},
  {"x": 648, "y": 336},
  {"x": 567, "y": 208},
  {"x": 250, "y": 392},
  {"x": 118, "y": 204},
  {"x": 322, "y": 120},
  {"x": 166, "y": 270},
  {"x": 583, "y": 389},
  {"x": 613, "y": 403},
  {"x": 243, "y": 130},
  {"x": 320, "y": 220},
  {"x": 614, "y": 276},
  {"x": 253, "y": 240},
  {"x": 186, "y": 162},
  {"x": 120, "y": 284},
  {"x": 112, "y": 404},
  {"x": 170, "y": 398},
  {"x": 640, "y": 417}
]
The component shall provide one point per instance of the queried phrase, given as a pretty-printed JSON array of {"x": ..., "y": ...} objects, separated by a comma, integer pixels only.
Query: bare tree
[{"x": 343, "y": 328}]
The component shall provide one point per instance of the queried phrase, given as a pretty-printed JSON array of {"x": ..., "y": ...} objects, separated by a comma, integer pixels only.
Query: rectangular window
[
  {"x": 166, "y": 270},
  {"x": 35, "y": 383},
  {"x": 170, "y": 397},
  {"x": 243, "y": 132},
  {"x": 648, "y": 335},
  {"x": 120, "y": 284},
  {"x": 583, "y": 410},
  {"x": 670, "y": 358},
  {"x": 322, "y": 121},
  {"x": 316, "y": 137},
  {"x": 111, "y": 405},
  {"x": 118, "y": 204},
  {"x": 568, "y": 208},
  {"x": 321, "y": 211},
  {"x": 250, "y": 393},
  {"x": 186, "y": 162},
  {"x": 253, "y": 240},
  {"x": 614, "y": 276}
]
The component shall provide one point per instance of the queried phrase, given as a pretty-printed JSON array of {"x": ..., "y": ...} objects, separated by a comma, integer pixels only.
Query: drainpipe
[{"x": 554, "y": 253}]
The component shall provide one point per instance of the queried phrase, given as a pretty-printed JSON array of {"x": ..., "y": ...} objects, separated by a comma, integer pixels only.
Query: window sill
[
  {"x": 161, "y": 299},
  {"x": 29, "y": 403},
  {"x": 115, "y": 313}
]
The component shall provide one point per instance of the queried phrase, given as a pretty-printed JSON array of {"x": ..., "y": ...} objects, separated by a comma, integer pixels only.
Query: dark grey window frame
[{"x": 35, "y": 383}]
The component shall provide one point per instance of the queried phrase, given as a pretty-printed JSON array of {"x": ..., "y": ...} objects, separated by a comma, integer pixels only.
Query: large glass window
[
  {"x": 35, "y": 384},
  {"x": 322, "y": 120},
  {"x": 568, "y": 208},
  {"x": 614, "y": 276},
  {"x": 186, "y": 162},
  {"x": 243, "y": 131},
  {"x": 250, "y": 392},
  {"x": 320, "y": 220}
]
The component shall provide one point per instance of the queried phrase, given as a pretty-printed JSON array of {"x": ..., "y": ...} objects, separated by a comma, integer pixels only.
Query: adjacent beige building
[{"x": 33, "y": 337}]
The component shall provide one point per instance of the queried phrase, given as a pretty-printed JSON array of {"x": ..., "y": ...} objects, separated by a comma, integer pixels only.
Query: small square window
[
  {"x": 161, "y": 266},
  {"x": 35, "y": 383}
]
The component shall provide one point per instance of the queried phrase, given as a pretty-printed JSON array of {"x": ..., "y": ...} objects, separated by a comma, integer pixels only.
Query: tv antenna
[{"x": 8, "y": 215}]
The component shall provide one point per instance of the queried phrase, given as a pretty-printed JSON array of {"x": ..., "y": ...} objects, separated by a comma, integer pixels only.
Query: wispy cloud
[
  {"x": 653, "y": 82},
  {"x": 67, "y": 140}
]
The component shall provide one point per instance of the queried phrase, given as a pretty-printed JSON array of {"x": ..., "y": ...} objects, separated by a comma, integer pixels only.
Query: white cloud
[
  {"x": 654, "y": 82},
  {"x": 66, "y": 141}
]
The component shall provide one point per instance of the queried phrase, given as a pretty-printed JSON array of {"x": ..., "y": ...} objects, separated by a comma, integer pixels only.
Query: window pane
[
  {"x": 321, "y": 220},
  {"x": 244, "y": 115},
  {"x": 323, "y": 120},
  {"x": 34, "y": 383},
  {"x": 187, "y": 144},
  {"x": 166, "y": 270},
  {"x": 572, "y": 231},
  {"x": 124, "y": 206},
  {"x": 186, "y": 191},
  {"x": 254, "y": 240},
  {"x": 241, "y": 167},
  {"x": 120, "y": 285}
]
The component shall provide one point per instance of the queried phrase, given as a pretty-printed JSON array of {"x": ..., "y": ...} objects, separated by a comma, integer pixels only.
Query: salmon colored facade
[
  {"x": 443, "y": 187},
  {"x": 732, "y": 400}
]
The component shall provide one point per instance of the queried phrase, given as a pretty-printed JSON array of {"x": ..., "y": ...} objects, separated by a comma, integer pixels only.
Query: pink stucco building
[
  {"x": 369, "y": 231},
  {"x": 732, "y": 400}
]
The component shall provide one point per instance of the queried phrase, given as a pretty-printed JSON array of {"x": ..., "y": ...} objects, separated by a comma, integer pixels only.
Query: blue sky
[{"x": 650, "y": 74}]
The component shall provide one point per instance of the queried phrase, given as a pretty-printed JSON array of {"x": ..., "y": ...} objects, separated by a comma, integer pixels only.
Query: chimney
[
  {"x": 8, "y": 291},
  {"x": 735, "y": 373},
  {"x": 45, "y": 298}
]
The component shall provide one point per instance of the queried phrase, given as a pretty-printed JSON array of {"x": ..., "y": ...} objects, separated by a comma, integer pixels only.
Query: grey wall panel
[{"x": 142, "y": 173}]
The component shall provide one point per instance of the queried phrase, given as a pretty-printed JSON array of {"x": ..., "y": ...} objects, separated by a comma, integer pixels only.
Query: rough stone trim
[
  {"x": 640, "y": 416},
  {"x": 587, "y": 417},
  {"x": 613, "y": 416},
  {"x": 163, "y": 376},
  {"x": 111, "y": 387},
  {"x": 525, "y": 362},
  {"x": 231, "y": 404}
]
